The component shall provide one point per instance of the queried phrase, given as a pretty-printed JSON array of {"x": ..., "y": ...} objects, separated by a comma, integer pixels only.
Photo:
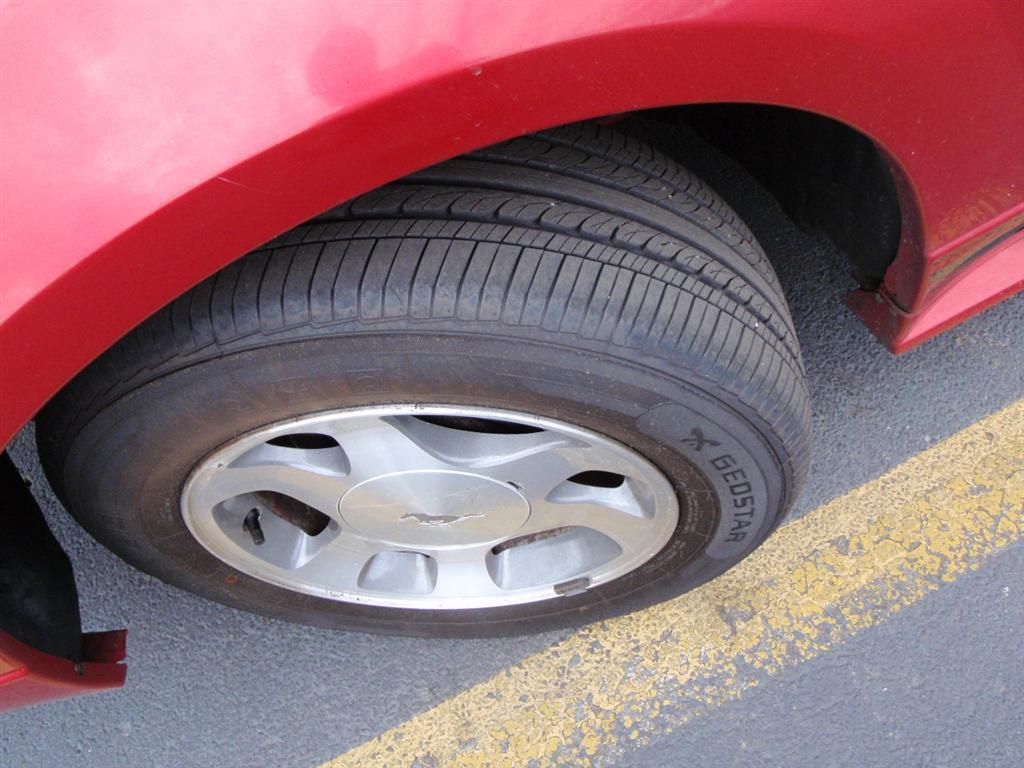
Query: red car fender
[
  {"x": 29, "y": 677},
  {"x": 146, "y": 146}
]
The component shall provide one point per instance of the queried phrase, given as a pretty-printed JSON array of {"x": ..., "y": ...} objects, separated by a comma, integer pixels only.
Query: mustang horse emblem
[{"x": 424, "y": 519}]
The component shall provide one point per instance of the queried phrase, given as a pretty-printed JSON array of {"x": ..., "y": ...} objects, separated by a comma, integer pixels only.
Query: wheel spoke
[
  {"x": 379, "y": 446},
  {"x": 320, "y": 491},
  {"x": 624, "y": 529},
  {"x": 462, "y": 573},
  {"x": 337, "y": 566},
  {"x": 536, "y": 474},
  {"x": 460, "y": 449}
]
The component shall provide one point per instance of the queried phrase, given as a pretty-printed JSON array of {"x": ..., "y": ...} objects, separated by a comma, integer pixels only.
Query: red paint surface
[
  {"x": 145, "y": 146},
  {"x": 992, "y": 276},
  {"x": 29, "y": 677}
]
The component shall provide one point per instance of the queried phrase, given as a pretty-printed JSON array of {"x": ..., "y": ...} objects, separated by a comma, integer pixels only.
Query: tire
[{"x": 575, "y": 275}]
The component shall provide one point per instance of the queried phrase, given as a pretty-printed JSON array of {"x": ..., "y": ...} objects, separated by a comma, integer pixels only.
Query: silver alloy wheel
[{"x": 431, "y": 507}]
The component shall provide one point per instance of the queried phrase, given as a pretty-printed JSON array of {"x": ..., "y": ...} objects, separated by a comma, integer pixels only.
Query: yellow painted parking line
[{"x": 839, "y": 570}]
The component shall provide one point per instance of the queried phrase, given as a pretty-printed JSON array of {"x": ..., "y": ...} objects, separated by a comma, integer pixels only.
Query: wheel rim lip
[{"x": 664, "y": 506}]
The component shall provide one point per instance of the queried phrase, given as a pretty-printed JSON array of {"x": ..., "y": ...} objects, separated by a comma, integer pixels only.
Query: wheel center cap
[{"x": 434, "y": 508}]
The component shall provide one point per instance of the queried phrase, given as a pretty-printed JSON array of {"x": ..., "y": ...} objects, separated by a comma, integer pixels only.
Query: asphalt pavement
[{"x": 933, "y": 676}]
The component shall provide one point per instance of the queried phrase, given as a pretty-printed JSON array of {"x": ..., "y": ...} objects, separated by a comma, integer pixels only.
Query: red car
[{"x": 418, "y": 318}]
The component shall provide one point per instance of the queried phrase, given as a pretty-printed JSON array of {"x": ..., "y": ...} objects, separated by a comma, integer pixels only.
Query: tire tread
[{"x": 431, "y": 254}]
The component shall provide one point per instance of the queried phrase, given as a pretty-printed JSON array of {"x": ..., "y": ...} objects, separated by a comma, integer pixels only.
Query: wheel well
[{"x": 825, "y": 175}]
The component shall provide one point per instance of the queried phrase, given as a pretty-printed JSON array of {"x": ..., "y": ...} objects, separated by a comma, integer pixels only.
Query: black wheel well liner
[{"x": 826, "y": 175}]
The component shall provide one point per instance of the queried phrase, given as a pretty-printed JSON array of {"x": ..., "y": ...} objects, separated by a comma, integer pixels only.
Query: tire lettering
[
  {"x": 739, "y": 491},
  {"x": 723, "y": 462}
]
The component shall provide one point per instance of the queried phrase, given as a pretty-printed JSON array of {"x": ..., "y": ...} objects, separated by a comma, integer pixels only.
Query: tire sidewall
[{"x": 132, "y": 459}]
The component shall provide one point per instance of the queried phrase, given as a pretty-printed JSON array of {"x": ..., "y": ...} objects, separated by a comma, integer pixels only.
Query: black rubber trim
[{"x": 38, "y": 597}]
